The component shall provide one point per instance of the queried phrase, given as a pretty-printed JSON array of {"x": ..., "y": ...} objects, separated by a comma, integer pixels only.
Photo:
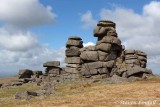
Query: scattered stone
[{"x": 25, "y": 95}]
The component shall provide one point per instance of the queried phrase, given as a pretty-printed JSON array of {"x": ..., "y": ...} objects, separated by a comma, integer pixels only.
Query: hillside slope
[{"x": 135, "y": 94}]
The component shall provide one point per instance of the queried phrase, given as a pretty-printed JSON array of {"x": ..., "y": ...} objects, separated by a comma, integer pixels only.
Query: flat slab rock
[
  {"x": 51, "y": 64},
  {"x": 75, "y": 38}
]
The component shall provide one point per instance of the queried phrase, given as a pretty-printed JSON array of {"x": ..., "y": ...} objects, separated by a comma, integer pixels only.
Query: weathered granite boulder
[
  {"x": 25, "y": 73},
  {"x": 72, "y": 51},
  {"x": 51, "y": 64},
  {"x": 89, "y": 55},
  {"x": 73, "y": 60}
]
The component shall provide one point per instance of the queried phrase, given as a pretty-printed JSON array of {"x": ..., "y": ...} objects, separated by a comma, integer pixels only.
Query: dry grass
[
  {"x": 7, "y": 80},
  {"x": 135, "y": 94}
]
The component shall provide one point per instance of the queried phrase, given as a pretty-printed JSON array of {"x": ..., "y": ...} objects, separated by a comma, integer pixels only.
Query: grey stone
[
  {"x": 73, "y": 65},
  {"x": 107, "y": 56},
  {"x": 102, "y": 55},
  {"x": 111, "y": 56},
  {"x": 72, "y": 70},
  {"x": 85, "y": 72},
  {"x": 106, "y": 47},
  {"x": 108, "y": 64},
  {"x": 138, "y": 52},
  {"x": 73, "y": 60},
  {"x": 25, "y": 80},
  {"x": 25, "y": 95},
  {"x": 25, "y": 73},
  {"x": 115, "y": 79},
  {"x": 130, "y": 56},
  {"x": 103, "y": 71},
  {"x": 74, "y": 38},
  {"x": 98, "y": 42},
  {"x": 132, "y": 61},
  {"x": 142, "y": 58},
  {"x": 94, "y": 71},
  {"x": 16, "y": 83},
  {"x": 76, "y": 43},
  {"x": 143, "y": 64},
  {"x": 6, "y": 85},
  {"x": 74, "y": 51},
  {"x": 54, "y": 71},
  {"x": 116, "y": 48},
  {"x": 100, "y": 31},
  {"x": 71, "y": 76},
  {"x": 37, "y": 72},
  {"x": 93, "y": 65},
  {"x": 49, "y": 87},
  {"x": 106, "y": 23},
  {"x": 112, "y": 33},
  {"x": 111, "y": 40},
  {"x": 137, "y": 70},
  {"x": 51, "y": 64},
  {"x": 129, "y": 51},
  {"x": 89, "y": 55}
]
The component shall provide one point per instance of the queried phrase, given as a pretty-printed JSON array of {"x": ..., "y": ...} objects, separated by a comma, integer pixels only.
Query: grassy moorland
[{"x": 134, "y": 94}]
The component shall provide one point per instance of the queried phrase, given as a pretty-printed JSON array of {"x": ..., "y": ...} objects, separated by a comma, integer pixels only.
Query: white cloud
[
  {"x": 31, "y": 59},
  {"x": 25, "y": 13},
  {"x": 88, "y": 44},
  {"x": 19, "y": 41},
  {"x": 19, "y": 47},
  {"x": 87, "y": 20}
]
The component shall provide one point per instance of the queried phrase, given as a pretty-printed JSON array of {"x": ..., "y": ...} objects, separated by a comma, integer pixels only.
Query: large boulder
[
  {"x": 74, "y": 38},
  {"x": 88, "y": 48},
  {"x": 137, "y": 71},
  {"x": 107, "y": 56},
  {"x": 73, "y": 60},
  {"x": 72, "y": 70},
  {"x": 106, "y": 23},
  {"x": 111, "y": 40},
  {"x": 129, "y": 51},
  {"x": 89, "y": 55},
  {"x": 75, "y": 43},
  {"x": 73, "y": 51},
  {"x": 141, "y": 53},
  {"x": 25, "y": 73},
  {"x": 106, "y": 47}
]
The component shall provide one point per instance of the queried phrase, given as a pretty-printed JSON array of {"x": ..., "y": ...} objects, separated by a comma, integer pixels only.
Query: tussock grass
[{"x": 134, "y": 94}]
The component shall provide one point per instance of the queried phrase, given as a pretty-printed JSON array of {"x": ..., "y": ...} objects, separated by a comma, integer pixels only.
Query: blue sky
[
  {"x": 35, "y": 31},
  {"x": 69, "y": 18}
]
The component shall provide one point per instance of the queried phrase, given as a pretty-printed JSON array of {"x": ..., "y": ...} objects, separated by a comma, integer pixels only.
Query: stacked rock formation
[
  {"x": 108, "y": 57},
  {"x": 53, "y": 68},
  {"x": 134, "y": 64},
  {"x": 100, "y": 59},
  {"x": 73, "y": 60}
]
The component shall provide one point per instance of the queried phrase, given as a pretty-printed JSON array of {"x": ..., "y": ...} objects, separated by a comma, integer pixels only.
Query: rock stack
[
  {"x": 100, "y": 59},
  {"x": 53, "y": 68},
  {"x": 73, "y": 60}
]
